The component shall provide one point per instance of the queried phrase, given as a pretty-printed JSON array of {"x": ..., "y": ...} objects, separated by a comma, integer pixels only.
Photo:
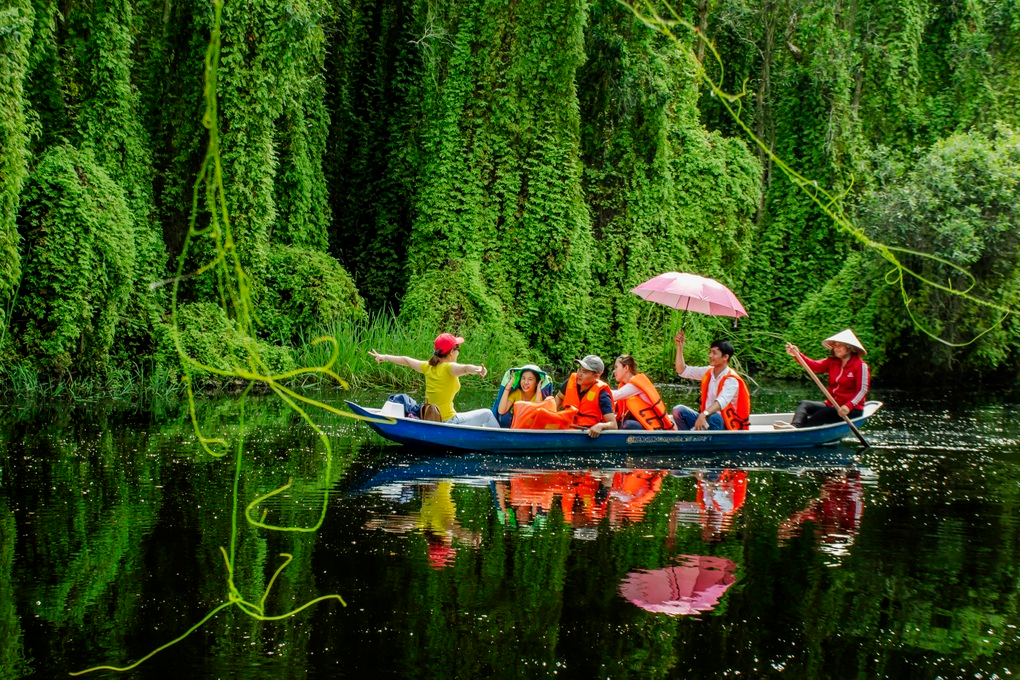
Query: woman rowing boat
[{"x": 849, "y": 381}]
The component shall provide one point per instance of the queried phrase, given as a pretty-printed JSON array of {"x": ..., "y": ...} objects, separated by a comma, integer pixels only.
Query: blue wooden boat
[{"x": 760, "y": 436}]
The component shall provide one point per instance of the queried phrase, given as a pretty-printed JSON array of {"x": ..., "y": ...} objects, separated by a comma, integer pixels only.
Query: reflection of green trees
[
  {"x": 928, "y": 587},
  {"x": 121, "y": 524},
  {"x": 13, "y": 663},
  {"x": 87, "y": 501}
]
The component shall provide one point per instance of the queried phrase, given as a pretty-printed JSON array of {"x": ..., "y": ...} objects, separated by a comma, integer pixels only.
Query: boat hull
[{"x": 761, "y": 436}]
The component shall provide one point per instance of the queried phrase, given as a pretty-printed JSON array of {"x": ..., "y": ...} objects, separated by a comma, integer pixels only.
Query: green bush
[
  {"x": 960, "y": 202},
  {"x": 210, "y": 338},
  {"x": 78, "y": 257},
  {"x": 306, "y": 288}
]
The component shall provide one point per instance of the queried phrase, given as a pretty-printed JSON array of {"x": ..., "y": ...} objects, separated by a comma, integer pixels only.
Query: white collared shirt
[
  {"x": 729, "y": 390},
  {"x": 629, "y": 390}
]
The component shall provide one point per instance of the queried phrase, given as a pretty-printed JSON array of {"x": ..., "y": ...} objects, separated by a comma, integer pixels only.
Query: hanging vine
[{"x": 666, "y": 23}]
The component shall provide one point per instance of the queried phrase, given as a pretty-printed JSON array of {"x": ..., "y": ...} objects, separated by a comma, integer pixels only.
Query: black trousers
[{"x": 811, "y": 413}]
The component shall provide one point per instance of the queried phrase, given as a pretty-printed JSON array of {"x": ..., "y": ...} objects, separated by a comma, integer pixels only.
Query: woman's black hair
[
  {"x": 628, "y": 361},
  {"x": 538, "y": 379}
]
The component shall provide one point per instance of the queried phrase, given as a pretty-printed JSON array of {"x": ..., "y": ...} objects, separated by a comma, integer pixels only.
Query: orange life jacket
[
  {"x": 588, "y": 411},
  {"x": 651, "y": 416},
  {"x": 541, "y": 416},
  {"x": 737, "y": 414}
]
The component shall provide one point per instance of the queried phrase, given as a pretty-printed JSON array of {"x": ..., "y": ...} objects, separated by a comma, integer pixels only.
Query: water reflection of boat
[
  {"x": 477, "y": 469},
  {"x": 760, "y": 436}
]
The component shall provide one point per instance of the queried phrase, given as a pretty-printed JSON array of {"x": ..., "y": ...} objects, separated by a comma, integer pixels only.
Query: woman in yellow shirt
[{"x": 442, "y": 380}]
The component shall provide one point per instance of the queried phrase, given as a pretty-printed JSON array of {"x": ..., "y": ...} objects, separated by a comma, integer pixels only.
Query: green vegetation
[{"x": 507, "y": 172}]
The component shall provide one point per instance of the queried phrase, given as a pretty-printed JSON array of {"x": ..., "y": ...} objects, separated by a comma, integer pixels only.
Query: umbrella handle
[{"x": 828, "y": 396}]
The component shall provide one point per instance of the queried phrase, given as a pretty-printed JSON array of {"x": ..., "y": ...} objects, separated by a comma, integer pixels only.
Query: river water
[{"x": 116, "y": 531}]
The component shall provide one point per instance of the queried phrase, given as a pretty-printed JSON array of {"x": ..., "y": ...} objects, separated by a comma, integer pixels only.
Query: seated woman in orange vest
[
  {"x": 585, "y": 391},
  {"x": 638, "y": 404},
  {"x": 725, "y": 401},
  {"x": 528, "y": 384}
]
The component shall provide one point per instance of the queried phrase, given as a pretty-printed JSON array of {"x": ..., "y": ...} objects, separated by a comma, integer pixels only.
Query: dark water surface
[{"x": 898, "y": 561}]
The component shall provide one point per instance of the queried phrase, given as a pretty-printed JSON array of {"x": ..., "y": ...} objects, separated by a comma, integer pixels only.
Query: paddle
[{"x": 825, "y": 391}]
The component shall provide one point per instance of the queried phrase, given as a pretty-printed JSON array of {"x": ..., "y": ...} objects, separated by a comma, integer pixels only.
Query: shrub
[{"x": 78, "y": 258}]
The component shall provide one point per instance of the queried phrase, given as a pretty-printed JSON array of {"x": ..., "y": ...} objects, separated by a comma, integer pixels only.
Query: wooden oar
[{"x": 825, "y": 391}]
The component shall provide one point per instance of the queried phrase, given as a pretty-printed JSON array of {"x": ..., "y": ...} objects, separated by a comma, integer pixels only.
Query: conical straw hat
[{"x": 847, "y": 337}]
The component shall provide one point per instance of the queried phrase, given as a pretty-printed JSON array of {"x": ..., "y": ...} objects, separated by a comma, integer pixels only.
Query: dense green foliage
[
  {"x": 15, "y": 36},
  {"x": 511, "y": 171},
  {"x": 841, "y": 92},
  {"x": 78, "y": 262}
]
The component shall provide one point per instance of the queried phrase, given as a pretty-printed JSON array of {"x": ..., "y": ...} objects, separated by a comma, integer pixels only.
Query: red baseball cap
[{"x": 447, "y": 341}]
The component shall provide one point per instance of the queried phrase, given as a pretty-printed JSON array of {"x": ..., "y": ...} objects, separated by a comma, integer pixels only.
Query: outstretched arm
[
  {"x": 409, "y": 362},
  {"x": 468, "y": 369}
]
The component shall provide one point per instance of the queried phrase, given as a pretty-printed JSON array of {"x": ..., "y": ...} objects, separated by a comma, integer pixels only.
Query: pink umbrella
[
  {"x": 693, "y": 586},
  {"x": 691, "y": 293}
]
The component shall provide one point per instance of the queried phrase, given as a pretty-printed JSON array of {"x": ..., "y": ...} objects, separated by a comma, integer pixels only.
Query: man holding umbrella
[{"x": 725, "y": 400}]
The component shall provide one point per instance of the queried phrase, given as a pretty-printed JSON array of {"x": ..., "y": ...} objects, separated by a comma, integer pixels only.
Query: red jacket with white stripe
[{"x": 848, "y": 384}]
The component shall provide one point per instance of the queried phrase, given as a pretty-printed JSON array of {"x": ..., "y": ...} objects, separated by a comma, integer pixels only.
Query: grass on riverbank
[
  {"x": 389, "y": 335},
  {"x": 383, "y": 332}
]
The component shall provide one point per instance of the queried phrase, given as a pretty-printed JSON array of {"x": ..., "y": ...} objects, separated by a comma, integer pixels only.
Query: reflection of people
[
  {"x": 725, "y": 401},
  {"x": 524, "y": 386},
  {"x": 849, "y": 381},
  {"x": 437, "y": 522},
  {"x": 442, "y": 379},
  {"x": 836, "y": 513},
  {"x": 719, "y": 497},
  {"x": 527, "y": 497},
  {"x": 638, "y": 404},
  {"x": 592, "y": 398},
  {"x": 630, "y": 494}
]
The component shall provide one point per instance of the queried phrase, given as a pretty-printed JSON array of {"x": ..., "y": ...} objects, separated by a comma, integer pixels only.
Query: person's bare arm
[
  {"x": 409, "y": 362},
  {"x": 504, "y": 400},
  {"x": 608, "y": 424},
  {"x": 468, "y": 369},
  {"x": 679, "y": 340}
]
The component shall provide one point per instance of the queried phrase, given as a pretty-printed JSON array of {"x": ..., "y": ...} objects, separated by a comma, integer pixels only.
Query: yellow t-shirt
[
  {"x": 438, "y": 511},
  {"x": 441, "y": 387},
  {"x": 518, "y": 395}
]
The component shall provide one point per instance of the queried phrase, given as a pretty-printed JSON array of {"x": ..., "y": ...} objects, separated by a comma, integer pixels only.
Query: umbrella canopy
[
  {"x": 693, "y": 586},
  {"x": 691, "y": 293}
]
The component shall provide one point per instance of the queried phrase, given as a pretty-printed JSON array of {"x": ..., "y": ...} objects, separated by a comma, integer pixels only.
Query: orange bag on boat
[{"x": 541, "y": 416}]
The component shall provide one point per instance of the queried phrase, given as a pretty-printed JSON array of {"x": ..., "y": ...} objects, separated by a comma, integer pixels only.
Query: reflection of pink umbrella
[
  {"x": 691, "y": 293},
  {"x": 692, "y": 587}
]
